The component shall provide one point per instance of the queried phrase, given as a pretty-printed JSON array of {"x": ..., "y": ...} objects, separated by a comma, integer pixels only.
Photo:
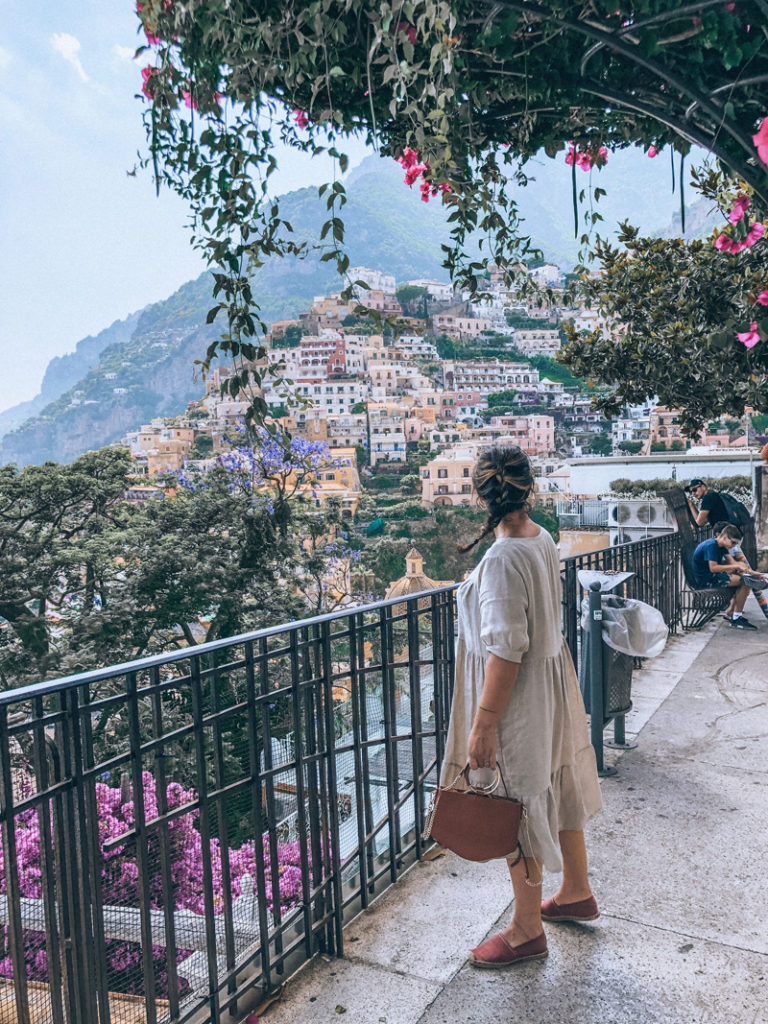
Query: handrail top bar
[
  {"x": 43, "y": 689},
  {"x": 141, "y": 664}
]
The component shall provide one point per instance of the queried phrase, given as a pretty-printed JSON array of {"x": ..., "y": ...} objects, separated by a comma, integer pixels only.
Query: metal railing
[{"x": 180, "y": 833}]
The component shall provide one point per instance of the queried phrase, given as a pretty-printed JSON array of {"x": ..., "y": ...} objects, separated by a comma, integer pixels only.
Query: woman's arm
[{"x": 498, "y": 684}]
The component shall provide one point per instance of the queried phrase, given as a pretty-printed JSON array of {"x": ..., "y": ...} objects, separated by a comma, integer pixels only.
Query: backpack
[{"x": 738, "y": 513}]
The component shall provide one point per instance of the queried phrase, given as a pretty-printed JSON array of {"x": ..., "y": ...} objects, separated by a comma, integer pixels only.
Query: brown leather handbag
[{"x": 473, "y": 822}]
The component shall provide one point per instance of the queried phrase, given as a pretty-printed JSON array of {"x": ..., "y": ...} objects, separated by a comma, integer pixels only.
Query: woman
[{"x": 517, "y": 703}]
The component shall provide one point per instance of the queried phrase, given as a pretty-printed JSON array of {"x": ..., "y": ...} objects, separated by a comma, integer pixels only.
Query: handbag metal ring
[{"x": 484, "y": 790}]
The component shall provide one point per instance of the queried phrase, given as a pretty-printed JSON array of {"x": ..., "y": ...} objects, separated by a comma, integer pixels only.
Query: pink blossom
[
  {"x": 414, "y": 172},
  {"x": 410, "y": 30},
  {"x": 749, "y": 338},
  {"x": 652, "y": 152},
  {"x": 153, "y": 40},
  {"x": 409, "y": 158},
  {"x": 740, "y": 208},
  {"x": 301, "y": 119},
  {"x": 147, "y": 74},
  {"x": 762, "y": 299},
  {"x": 761, "y": 141},
  {"x": 187, "y": 97},
  {"x": 756, "y": 232}
]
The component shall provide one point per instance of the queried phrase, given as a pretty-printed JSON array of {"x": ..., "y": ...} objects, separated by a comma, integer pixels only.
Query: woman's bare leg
[
  {"x": 575, "y": 884},
  {"x": 526, "y": 922}
]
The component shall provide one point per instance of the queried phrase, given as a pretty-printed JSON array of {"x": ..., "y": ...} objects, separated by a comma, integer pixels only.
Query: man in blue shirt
[{"x": 714, "y": 567}]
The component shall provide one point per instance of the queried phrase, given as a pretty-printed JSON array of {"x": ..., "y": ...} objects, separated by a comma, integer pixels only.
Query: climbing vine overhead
[{"x": 460, "y": 93}]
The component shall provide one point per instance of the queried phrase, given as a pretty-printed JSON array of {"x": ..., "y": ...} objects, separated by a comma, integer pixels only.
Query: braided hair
[{"x": 503, "y": 480}]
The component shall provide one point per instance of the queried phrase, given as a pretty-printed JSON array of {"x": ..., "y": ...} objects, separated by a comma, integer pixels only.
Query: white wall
[{"x": 593, "y": 476}]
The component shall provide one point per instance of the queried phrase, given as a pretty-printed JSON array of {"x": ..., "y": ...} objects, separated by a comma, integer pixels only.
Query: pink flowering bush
[{"x": 120, "y": 879}]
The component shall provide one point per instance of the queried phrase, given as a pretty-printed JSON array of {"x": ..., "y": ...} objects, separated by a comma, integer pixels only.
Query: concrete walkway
[{"x": 679, "y": 864}]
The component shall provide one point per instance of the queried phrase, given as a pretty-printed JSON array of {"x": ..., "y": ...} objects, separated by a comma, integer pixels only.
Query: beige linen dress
[{"x": 510, "y": 606}]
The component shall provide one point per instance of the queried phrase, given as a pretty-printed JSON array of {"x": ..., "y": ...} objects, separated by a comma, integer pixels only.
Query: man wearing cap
[{"x": 711, "y": 506}]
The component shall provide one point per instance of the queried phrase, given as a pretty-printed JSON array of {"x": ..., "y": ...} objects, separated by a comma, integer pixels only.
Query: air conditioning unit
[{"x": 634, "y": 519}]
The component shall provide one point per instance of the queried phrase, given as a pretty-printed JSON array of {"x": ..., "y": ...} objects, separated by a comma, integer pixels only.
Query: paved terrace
[{"x": 678, "y": 861}]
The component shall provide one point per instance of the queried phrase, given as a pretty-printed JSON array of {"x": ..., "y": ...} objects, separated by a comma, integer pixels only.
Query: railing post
[{"x": 597, "y": 712}]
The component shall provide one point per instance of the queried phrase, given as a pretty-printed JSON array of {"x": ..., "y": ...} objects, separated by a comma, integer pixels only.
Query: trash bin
[{"x": 630, "y": 629}]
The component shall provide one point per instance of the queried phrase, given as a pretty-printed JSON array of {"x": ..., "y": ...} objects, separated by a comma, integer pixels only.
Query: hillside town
[{"x": 412, "y": 379}]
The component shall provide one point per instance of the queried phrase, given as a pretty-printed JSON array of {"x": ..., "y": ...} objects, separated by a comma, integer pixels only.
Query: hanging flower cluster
[
  {"x": 587, "y": 158},
  {"x": 761, "y": 141},
  {"x": 301, "y": 119},
  {"x": 745, "y": 236},
  {"x": 415, "y": 169},
  {"x": 148, "y": 20}
]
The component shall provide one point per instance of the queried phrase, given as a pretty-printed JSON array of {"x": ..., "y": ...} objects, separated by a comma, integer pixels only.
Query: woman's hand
[{"x": 482, "y": 745}]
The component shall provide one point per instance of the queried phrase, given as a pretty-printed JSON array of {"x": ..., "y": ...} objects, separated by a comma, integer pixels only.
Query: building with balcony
[
  {"x": 386, "y": 427},
  {"x": 488, "y": 375}
]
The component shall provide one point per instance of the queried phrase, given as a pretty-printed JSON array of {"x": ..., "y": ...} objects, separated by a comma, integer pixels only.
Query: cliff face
[
  {"x": 63, "y": 372},
  {"x": 152, "y": 375}
]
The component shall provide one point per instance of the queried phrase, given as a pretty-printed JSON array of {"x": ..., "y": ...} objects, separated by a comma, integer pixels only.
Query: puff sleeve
[{"x": 503, "y": 610}]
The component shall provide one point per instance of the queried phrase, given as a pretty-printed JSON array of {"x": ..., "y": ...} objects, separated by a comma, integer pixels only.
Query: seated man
[
  {"x": 713, "y": 567},
  {"x": 711, "y": 506},
  {"x": 756, "y": 581}
]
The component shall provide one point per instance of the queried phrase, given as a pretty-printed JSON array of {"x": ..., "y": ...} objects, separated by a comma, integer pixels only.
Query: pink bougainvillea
[
  {"x": 749, "y": 338},
  {"x": 148, "y": 76},
  {"x": 725, "y": 243},
  {"x": 652, "y": 152},
  {"x": 586, "y": 158},
  {"x": 761, "y": 140},
  {"x": 120, "y": 877},
  {"x": 762, "y": 299},
  {"x": 301, "y": 119},
  {"x": 415, "y": 169},
  {"x": 739, "y": 210},
  {"x": 408, "y": 29}
]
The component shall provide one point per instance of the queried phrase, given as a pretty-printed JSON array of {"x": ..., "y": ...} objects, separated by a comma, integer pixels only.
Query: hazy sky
[{"x": 83, "y": 244}]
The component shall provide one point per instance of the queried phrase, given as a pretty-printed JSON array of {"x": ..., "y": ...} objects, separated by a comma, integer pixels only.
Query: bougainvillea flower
[
  {"x": 414, "y": 172},
  {"x": 740, "y": 207},
  {"x": 723, "y": 243},
  {"x": 749, "y": 338},
  {"x": 409, "y": 158},
  {"x": 761, "y": 141},
  {"x": 756, "y": 232},
  {"x": 301, "y": 118},
  {"x": 762, "y": 299},
  {"x": 652, "y": 152},
  {"x": 187, "y": 97},
  {"x": 147, "y": 74},
  {"x": 587, "y": 159},
  {"x": 409, "y": 29}
]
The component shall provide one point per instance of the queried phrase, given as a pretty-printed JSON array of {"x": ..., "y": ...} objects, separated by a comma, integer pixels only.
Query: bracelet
[{"x": 489, "y": 710}]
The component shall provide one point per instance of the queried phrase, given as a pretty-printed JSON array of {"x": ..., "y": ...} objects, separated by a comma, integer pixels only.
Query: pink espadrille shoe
[
  {"x": 497, "y": 952},
  {"x": 581, "y": 910}
]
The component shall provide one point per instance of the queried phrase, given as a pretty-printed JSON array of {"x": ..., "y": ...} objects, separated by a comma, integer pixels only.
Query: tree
[
  {"x": 630, "y": 447},
  {"x": 462, "y": 95},
  {"x": 413, "y": 300},
  {"x": 446, "y": 348},
  {"x": 678, "y": 312},
  {"x": 57, "y": 527},
  {"x": 600, "y": 444},
  {"x": 91, "y": 580}
]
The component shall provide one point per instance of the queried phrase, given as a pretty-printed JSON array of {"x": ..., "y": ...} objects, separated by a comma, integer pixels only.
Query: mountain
[
  {"x": 64, "y": 371},
  {"x": 143, "y": 366}
]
